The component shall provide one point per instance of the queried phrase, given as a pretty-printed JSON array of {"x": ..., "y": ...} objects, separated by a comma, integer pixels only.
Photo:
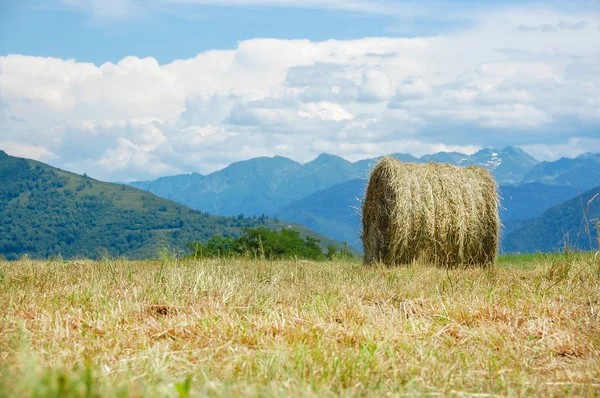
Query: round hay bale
[{"x": 436, "y": 213}]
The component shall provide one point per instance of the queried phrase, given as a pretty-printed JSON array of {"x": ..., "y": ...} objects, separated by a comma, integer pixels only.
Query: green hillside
[
  {"x": 566, "y": 222},
  {"x": 530, "y": 200},
  {"x": 46, "y": 212}
]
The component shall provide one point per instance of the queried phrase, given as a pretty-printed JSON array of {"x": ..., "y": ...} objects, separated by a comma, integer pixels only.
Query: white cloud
[
  {"x": 137, "y": 119},
  {"x": 498, "y": 116},
  {"x": 412, "y": 87},
  {"x": 325, "y": 111},
  {"x": 376, "y": 86},
  {"x": 132, "y": 88},
  {"x": 36, "y": 152}
]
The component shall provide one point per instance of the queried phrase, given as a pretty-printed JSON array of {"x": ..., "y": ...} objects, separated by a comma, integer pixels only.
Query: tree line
[{"x": 261, "y": 242}]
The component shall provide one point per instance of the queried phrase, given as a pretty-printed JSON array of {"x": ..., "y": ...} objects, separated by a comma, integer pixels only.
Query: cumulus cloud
[
  {"x": 3, "y": 117},
  {"x": 137, "y": 119},
  {"x": 376, "y": 86},
  {"x": 290, "y": 117},
  {"x": 412, "y": 87},
  {"x": 133, "y": 87}
]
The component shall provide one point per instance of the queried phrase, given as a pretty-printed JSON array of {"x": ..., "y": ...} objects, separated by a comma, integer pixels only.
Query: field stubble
[{"x": 266, "y": 328}]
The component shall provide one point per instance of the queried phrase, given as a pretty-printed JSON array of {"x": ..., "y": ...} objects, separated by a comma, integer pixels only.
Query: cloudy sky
[{"x": 127, "y": 90}]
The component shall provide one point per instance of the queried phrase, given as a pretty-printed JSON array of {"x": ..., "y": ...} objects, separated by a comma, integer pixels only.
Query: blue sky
[
  {"x": 168, "y": 32},
  {"x": 72, "y": 33},
  {"x": 125, "y": 89}
]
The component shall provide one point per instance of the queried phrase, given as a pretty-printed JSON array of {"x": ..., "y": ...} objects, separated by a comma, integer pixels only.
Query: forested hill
[
  {"x": 573, "y": 223},
  {"x": 45, "y": 212}
]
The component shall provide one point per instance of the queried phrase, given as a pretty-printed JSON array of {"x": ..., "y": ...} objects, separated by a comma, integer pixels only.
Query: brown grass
[
  {"x": 297, "y": 328},
  {"x": 433, "y": 213}
]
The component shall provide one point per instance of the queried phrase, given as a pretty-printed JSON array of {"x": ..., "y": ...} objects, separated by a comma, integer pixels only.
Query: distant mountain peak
[
  {"x": 261, "y": 160},
  {"x": 281, "y": 158},
  {"x": 508, "y": 165},
  {"x": 325, "y": 155},
  {"x": 511, "y": 150},
  {"x": 514, "y": 149},
  {"x": 325, "y": 158}
]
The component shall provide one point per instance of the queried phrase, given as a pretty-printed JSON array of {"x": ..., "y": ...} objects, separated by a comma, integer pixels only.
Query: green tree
[{"x": 259, "y": 242}]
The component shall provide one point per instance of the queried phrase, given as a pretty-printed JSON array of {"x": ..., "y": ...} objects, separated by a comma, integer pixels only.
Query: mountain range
[
  {"x": 48, "y": 212},
  {"x": 267, "y": 185},
  {"x": 325, "y": 194}
]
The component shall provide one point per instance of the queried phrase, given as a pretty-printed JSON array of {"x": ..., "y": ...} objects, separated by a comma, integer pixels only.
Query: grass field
[{"x": 529, "y": 326}]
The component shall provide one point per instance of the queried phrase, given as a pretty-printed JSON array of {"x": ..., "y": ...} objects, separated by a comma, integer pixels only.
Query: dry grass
[
  {"x": 296, "y": 328},
  {"x": 435, "y": 213}
]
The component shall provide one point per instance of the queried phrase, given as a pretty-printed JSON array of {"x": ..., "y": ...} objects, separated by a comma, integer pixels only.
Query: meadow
[{"x": 229, "y": 327}]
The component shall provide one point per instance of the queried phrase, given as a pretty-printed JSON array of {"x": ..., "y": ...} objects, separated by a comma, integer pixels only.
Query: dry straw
[{"x": 437, "y": 213}]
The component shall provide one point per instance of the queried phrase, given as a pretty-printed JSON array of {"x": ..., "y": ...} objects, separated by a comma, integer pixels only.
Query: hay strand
[{"x": 438, "y": 213}]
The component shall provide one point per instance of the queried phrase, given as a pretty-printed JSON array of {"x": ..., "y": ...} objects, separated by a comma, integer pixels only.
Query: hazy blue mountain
[
  {"x": 334, "y": 211},
  {"x": 268, "y": 185},
  {"x": 323, "y": 172},
  {"x": 250, "y": 187},
  {"x": 510, "y": 226},
  {"x": 530, "y": 200},
  {"x": 256, "y": 186},
  {"x": 557, "y": 225},
  {"x": 45, "y": 212},
  {"x": 171, "y": 186},
  {"x": 508, "y": 165},
  {"x": 582, "y": 172}
]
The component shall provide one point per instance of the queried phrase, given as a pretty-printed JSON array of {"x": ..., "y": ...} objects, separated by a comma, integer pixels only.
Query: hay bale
[{"x": 437, "y": 213}]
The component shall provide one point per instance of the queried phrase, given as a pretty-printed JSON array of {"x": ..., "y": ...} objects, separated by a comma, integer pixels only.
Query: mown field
[{"x": 529, "y": 326}]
